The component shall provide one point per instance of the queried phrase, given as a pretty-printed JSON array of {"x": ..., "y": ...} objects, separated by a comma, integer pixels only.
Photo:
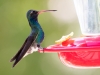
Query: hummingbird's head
[{"x": 33, "y": 14}]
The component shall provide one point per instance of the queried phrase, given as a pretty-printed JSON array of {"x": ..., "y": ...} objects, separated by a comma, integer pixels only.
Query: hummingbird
[{"x": 33, "y": 41}]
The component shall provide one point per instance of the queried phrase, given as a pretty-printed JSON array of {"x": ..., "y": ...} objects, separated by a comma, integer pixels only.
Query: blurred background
[{"x": 14, "y": 29}]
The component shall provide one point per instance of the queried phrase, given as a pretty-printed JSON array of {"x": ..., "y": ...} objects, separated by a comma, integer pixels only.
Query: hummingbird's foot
[{"x": 39, "y": 47}]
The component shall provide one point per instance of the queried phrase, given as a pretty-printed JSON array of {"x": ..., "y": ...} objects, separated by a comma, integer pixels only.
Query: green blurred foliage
[{"x": 14, "y": 29}]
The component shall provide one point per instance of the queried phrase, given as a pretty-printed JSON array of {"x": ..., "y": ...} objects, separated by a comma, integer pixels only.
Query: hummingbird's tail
[
  {"x": 20, "y": 54},
  {"x": 15, "y": 58}
]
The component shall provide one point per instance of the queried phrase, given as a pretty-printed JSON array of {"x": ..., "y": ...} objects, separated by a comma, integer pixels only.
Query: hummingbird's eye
[
  {"x": 35, "y": 12},
  {"x": 32, "y": 13}
]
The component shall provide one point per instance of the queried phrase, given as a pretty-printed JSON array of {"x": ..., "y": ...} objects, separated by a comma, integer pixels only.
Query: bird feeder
[{"x": 84, "y": 51}]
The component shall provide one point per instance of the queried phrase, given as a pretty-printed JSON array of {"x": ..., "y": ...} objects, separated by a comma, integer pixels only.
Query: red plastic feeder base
[
  {"x": 83, "y": 52},
  {"x": 80, "y": 59}
]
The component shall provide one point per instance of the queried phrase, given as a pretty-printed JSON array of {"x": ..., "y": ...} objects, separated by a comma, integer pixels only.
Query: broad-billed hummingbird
[{"x": 35, "y": 38}]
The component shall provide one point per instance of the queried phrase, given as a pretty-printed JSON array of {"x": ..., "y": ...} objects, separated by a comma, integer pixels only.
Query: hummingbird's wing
[{"x": 23, "y": 50}]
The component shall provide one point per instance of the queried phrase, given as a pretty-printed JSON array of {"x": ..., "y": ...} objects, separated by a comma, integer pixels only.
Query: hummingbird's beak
[{"x": 45, "y": 11}]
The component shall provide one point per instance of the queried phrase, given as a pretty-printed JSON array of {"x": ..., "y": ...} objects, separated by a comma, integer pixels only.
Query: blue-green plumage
[
  {"x": 35, "y": 26},
  {"x": 34, "y": 39}
]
